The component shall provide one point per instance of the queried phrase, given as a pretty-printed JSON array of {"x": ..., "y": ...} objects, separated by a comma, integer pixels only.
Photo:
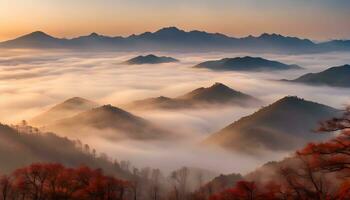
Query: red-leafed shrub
[{"x": 55, "y": 182}]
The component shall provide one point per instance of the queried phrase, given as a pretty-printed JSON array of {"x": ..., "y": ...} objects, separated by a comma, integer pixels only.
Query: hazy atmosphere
[
  {"x": 33, "y": 81},
  {"x": 174, "y": 100}
]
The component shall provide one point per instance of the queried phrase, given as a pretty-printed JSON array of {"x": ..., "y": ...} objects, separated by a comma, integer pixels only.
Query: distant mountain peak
[
  {"x": 218, "y": 92},
  {"x": 38, "y": 34},
  {"x": 169, "y": 29},
  {"x": 67, "y": 108},
  {"x": 93, "y": 34},
  {"x": 220, "y": 86},
  {"x": 272, "y": 35},
  {"x": 76, "y": 100}
]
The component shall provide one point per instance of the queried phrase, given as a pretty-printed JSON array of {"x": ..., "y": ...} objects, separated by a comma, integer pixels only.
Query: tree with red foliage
[
  {"x": 55, "y": 182},
  {"x": 333, "y": 156},
  {"x": 245, "y": 190}
]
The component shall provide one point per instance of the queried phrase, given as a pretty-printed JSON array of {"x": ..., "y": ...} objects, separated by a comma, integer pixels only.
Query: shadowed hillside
[
  {"x": 284, "y": 125},
  {"x": 18, "y": 149}
]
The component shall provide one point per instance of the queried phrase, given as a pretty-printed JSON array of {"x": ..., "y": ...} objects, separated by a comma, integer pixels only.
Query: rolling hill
[
  {"x": 246, "y": 64},
  {"x": 282, "y": 126},
  {"x": 109, "y": 122},
  {"x": 217, "y": 94},
  {"x": 334, "y": 76},
  {"x": 65, "y": 109},
  {"x": 150, "y": 59}
]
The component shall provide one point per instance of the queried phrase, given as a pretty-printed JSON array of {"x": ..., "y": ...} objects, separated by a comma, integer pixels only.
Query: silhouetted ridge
[
  {"x": 334, "y": 76},
  {"x": 150, "y": 59},
  {"x": 246, "y": 63},
  {"x": 175, "y": 39}
]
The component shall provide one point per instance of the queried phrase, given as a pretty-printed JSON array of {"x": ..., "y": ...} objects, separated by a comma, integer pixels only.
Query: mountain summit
[
  {"x": 37, "y": 39},
  {"x": 217, "y": 93}
]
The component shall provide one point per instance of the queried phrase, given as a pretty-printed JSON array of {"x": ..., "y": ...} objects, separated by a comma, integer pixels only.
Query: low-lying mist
[{"x": 33, "y": 81}]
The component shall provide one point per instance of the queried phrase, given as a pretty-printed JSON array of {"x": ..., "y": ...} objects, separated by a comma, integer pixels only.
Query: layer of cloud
[{"x": 33, "y": 81}]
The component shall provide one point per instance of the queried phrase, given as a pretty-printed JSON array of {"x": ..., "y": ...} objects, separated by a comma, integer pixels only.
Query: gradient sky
[{"x": 315, "y": 19}]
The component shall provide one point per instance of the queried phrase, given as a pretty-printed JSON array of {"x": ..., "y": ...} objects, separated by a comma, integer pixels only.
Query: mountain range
[
  {"x": 335, "y": 76},
  {"x": 282, "y": 126},
  {"x": 246, "y": 64},
  {"x": 150, "y": 59},
  {"x": 217, "y": 94},
  {"x": 174, "y": 39}
]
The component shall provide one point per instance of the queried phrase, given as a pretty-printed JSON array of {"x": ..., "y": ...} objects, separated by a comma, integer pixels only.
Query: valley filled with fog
[{"x": 32, "y": 81}]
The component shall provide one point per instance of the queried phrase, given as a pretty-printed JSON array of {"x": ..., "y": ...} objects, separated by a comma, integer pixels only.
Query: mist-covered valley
[{"x": 33, "y": 81}]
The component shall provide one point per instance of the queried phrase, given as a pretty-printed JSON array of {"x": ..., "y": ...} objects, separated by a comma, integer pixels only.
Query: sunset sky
[{"x": 315, "y": 19}]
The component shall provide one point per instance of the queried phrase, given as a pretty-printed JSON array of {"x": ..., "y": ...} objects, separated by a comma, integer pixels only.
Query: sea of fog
[{"x": 32, "y": 81}]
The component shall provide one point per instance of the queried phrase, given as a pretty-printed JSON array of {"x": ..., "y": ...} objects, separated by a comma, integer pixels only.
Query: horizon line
[{"x": 170, "y": 27}]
